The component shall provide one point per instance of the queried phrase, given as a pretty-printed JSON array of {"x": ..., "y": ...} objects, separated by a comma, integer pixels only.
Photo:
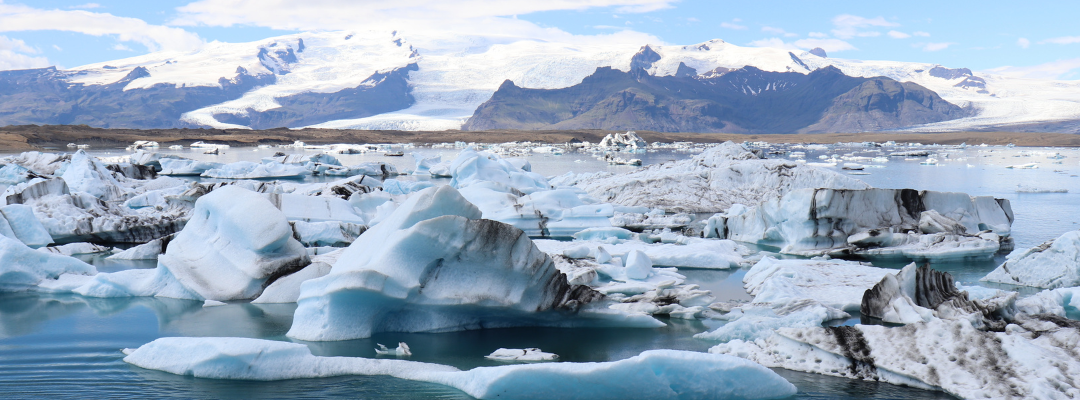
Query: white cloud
[
  {"x": 692, "y": 19},
  {"x": 729, "y": 25},
  {"x": 778, "y": 31},
  {"x": 818, "y": 35},
  {"x": 408, "y": 15},
  {"x": 121, "y": 47},
  {"x": 921, "y": 33},
  {"x": 1023, "y": 42},
  {"x": 86, "y": 6},
  {"x": 15, "y": 18},
  {"x": 1059, "y": 69},
  {"x": 936, "y": 46},
  {"x": 13, "y": 55},
  {"x": 1063, "y": 40},
  {"x": 898, "y": 35},
  {"x": 848, "y": 26},
  {"x": 829, "y": 45},
  {"x": 57, "y": 48}
]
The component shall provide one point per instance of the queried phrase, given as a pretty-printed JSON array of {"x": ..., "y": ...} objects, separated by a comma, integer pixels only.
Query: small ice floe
[
  {"x": 529, "y": 354},
  {"x": 402, "y": 350},
  {"x": 853, "y": 167},
  {"x": 1023, "y": 166},
  {"x": 213, "y": 303},
  {"x": 176, "y": 147},
  {"x": 929, "y": 161},
  {"x": 621, "y": 161},
  {"x": 1030, "y": 189}
]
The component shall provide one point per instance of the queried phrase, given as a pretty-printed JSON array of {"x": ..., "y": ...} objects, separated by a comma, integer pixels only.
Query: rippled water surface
[{"x": 66, "y": 346}]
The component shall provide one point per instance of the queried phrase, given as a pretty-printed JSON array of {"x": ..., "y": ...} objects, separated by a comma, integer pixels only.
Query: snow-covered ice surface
[{"x": 654, "y": 374}]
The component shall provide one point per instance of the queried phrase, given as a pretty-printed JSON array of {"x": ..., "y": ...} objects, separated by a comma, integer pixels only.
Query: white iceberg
[
  {"x": 1053, "y": 264},
  {"x": 410, "y": 274},
  {"x": 183, "y": 166},
  {"x": 710, "y": 182},
  {"x": 424, "y": 163},
  {"x": 529, "y": 354},
  {"x": 402, "y": 350},
  {"x": 250, "y": 170},
  {"x": 654, "y": 374},
  {"x": 687, "y": 253},
  {"x": 833, "y": 283},
  {"x": 24, "y": 268}
]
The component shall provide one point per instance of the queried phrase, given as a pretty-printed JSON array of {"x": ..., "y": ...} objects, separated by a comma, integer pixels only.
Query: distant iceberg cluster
[{"x": 365, "y": 251}]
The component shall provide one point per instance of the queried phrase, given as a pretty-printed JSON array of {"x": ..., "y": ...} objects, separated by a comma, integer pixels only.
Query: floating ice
[
  {"x": 1053, "y": 264},
  {"x": 405, "y": 270},
  {"x": 402, "y": 350},
  {"x": 833, "y": 283},
  {"x": 654, "y": 374},
  {"x": 183, "y": 166},
  {"x": 709, "y": 182},
  {"x": 24, "y": 268},
  {"x": 530, "y": 354},
  {"x": 250, "y": 170},
  {"x": 690, "y": 253}
]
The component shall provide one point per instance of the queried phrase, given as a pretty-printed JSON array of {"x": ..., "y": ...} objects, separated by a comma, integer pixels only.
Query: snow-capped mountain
[{"x": 382, "y": 80}]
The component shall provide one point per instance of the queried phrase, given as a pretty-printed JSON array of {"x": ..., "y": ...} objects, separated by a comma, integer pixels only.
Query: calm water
[{"x": 66, "y": 346}]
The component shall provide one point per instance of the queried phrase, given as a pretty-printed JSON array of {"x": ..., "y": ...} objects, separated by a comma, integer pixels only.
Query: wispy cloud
[
  {"x": 935, "y": 46},
  {"x": 1023, "y": 43},
  {"x": 817, "y": 35},
  {"x": 16, "y": 54},
  {"x": 1060, "y": 69},
  {"x": 829, "y": 45},
  {"x": 847, "y": 26},
  {"x": 87, "y": 6},
  {"x": 778, "y": 31},
  {"x": 920, "y": 33},
  {"x": 121, "y": 47},
  {"x": 898, "y": 35},
  {"x": 734, "y": 26},
  {"x": 1063, "y": 40}
]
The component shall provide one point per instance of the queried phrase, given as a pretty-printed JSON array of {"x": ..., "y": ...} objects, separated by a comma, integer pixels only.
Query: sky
[{"x": 1034, "y": 39}]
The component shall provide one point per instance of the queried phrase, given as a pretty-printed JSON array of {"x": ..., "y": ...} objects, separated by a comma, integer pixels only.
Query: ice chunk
[
  {"x": 326, "y": 233},
  {"x": 424, "y": 163},
  {"x": 18, "y": 222},
  {"x": 146, "y": 251},
  {"x": 402, "y": 350},
  {"x": 833, "y": 283},
  {"x": 530, "y": 354},
  {"x": 396, "y": 187},
  {"x": 759, "y": 322},
  {"x": 250, "y": 170},
  {"x": 11, "y": 174},
  {"x": 87, "y": 174},
  {"x": 287, "y": 289},
  {"x": 235, "y": 244},
  {"x": 24, "y": 268},
  {"x": 400, "y": 271},
  {"x": 638, "y": 266},
  {"x": 298, "y": 207},
  {"x": 604, "y": 234},
  {"x": 473, "y": 166},
  {"x": 654, "y": 374},
  {"x": 183, "y": 166},
  {"x": 1053, "y": 264},
  {"x": 691, "y": 253},
  {"x": 76, "y": 248},
  {"x": 815, "y": 221},
  {"x": 709, "y": 182}
]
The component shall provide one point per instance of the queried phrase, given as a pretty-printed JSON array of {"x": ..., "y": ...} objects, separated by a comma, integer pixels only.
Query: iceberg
[
  {"x": 402, "y": 350},
  {"x": 251, "y": 170},
  {"x": 754, "y": 322},
  {"x": 24, "y": 268},
  {"x": 424, "y": 163},
  {"x": 834, "y": 283},
  {"x": 919, "y": 294},
  {"x": 654, "y": 374},
  {"x": 712, "y": 181},
  {"x": 530, "y": 354},
  {"x": 409, "y": 274},
  {"x": 629, "y": 139},
  {"x": 687, "y": 253},
  {"x": 1053, "y": 264},
  {"x": 17, "y": 221},
  {"x": 818, "y": 221},
  {"x": 88, "y": 175},
  {"x": 287, "y": 289},
  {"x": 1033, "y": 359},
  {"x": 183, "y": 166}
]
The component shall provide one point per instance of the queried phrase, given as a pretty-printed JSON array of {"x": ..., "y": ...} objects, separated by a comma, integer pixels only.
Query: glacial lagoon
[{"x": 68, "y": 346}]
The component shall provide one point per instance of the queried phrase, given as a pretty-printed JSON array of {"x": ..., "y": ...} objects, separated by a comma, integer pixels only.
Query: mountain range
[{"x": 373, "y": 80}]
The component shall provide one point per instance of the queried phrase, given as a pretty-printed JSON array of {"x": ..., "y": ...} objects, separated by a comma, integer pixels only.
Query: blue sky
[{"x": 1033, "y": 38}]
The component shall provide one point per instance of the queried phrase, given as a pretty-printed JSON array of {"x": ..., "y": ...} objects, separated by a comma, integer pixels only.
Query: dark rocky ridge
[{"x": 746, "y": 100}]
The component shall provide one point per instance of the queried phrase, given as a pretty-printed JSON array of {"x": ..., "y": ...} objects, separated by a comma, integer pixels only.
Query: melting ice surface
[{"x": 57, "y": 345}]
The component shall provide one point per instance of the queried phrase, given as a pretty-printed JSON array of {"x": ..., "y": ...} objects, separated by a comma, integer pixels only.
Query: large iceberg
[
  {"x": 251, "y": 170},
  {"x": 862, "y": 222},
  {"x": 433, "y": 265},
  {"x": 710, "y": 182},
  {"x": 654, "y": 374},
  {"x": 834, "y": 283},
  {"x": 1053, "y": 264}
]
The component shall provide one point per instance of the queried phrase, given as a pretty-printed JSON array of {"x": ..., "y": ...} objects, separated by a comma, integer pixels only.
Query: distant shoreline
[{"x": 24, "y": 138}]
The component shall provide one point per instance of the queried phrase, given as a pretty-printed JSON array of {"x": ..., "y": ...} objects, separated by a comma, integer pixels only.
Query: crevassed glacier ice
[
  {"x": 654, "y": 374},
  {"x": 710, "y": 182},
  {"x": 433, "y": 265},
  {"x": 1053, "y": 264}
]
